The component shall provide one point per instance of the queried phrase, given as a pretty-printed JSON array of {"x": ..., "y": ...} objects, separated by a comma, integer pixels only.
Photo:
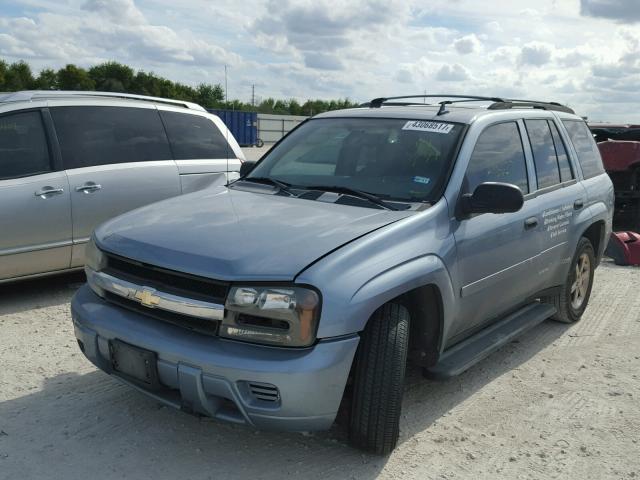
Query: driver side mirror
[
  {"x": 246, "y": 168},
  {"x": 493, "y": 197}
]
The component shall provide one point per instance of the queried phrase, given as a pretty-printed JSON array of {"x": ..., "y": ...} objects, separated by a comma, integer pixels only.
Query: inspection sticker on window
[
  {"x": 424, "y": 180},
  {"x": 427, "y": 126}
]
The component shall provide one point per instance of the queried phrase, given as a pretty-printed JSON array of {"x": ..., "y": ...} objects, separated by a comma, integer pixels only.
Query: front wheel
[
  {"x": 573, "y": 297},
  {"x": 379, "y": 380}
]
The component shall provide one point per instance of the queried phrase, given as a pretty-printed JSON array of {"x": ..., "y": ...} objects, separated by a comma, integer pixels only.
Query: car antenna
[{"x": 226, "y": 101}]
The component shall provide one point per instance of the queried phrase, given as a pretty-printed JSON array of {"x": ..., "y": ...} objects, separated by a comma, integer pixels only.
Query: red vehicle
[{"x": 620, "y": 149}]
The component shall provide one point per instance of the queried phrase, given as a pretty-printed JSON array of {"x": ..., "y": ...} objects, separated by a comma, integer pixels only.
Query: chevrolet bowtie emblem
[{"x": 146, "y": 297}]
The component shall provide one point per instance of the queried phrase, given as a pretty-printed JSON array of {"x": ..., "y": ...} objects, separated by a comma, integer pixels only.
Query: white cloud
[
  {"x": 535, "y": 54},
  {"x": 452, "y": 73},
  {"x": 583, "y": 53},
  {"x": 467, "y": 44}
]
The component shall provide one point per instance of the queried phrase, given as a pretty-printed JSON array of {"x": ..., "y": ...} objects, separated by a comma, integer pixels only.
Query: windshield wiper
[
  {"x": 354, "y": 193},
  {"x": 283, "y": 186}
]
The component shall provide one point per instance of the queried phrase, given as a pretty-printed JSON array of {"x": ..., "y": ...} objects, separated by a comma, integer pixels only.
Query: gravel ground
[{"x": 560, "y": 402}]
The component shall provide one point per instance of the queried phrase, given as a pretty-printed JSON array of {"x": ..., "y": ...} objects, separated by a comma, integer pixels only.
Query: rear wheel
[
  {"x": 379, "y": 380},
  {"x": 573, "y": 297}
]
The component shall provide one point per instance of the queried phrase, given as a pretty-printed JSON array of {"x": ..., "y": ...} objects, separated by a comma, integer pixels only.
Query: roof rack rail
[
  {"x": 31, "y": 95},
  {"x": 532, "y": 104},
  {"x": 498, "y": 103},
  {"x": 377, "y": 102}
]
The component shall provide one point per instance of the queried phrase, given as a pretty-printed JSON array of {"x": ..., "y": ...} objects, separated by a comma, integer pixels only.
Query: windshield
[{"x": 391, "y": 158}]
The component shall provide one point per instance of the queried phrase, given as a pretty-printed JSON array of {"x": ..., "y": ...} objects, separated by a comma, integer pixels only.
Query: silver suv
[
  {"x": 364, "y": 238},
  {"x": 71, "y": 160}
]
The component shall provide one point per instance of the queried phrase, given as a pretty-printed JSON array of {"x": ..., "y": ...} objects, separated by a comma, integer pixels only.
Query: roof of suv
[
  {"x": 35, "y": 95},
  {"x": 448, "y": 110}
]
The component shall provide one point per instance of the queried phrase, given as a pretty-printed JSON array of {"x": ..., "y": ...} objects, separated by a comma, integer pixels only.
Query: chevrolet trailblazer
[{"x": 365, "y": 239}]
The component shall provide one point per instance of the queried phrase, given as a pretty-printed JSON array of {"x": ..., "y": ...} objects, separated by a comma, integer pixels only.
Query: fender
[
  {"x": 419, "y": 272},
  {"x": 358, "y": 278}
]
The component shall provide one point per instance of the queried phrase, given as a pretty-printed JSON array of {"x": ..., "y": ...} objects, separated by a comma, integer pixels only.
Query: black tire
[
  {"x": 568, "y": 312},
  {"x": 379, "y": 380},
  {"x": 259, "y": 143}
]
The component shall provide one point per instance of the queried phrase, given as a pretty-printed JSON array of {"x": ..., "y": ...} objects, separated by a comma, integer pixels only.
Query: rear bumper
[{"x": 214, "y": 376}]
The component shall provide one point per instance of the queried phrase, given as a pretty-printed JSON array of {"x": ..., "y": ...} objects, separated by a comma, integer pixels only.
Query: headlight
[{"x": 285, "y": 316}]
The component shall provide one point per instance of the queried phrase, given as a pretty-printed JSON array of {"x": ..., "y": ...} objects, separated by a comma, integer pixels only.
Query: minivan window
[
  {"x": 392, "y": 158},
  {"x": 588, "y": 153},
  {"x": 94, "y": 135},
  {"x": 498, "y": 157},
  {"x": 194, "y": 136},
  {"x": 23, "y": 145},
  {"x": 566, "y": 173},
  {"x": 544, "y": 153}
]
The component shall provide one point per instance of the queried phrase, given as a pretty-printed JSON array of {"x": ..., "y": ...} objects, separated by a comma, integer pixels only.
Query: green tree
[
  {"x": 74, "y": 78},
  {"x": 209, "y": 96},
  {"x": 47, "y": 80},
  {"x": 18, "y": 77},
  {"x": 3, "y": 73},
  {"x": 112, "y": 77}
]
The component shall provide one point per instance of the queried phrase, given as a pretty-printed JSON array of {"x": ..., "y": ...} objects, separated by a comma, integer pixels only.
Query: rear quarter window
[
  {"x": 585, "y": 145},
  {"x": 194, "y": 137}
]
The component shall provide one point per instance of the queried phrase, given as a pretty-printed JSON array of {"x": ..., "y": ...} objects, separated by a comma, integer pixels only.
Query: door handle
[
  {"x": 578, "y": 204},
  {"x": 47, "y": 191},
  {"x": 89, "y": 187},
  {"x": 531, "y": 222}
]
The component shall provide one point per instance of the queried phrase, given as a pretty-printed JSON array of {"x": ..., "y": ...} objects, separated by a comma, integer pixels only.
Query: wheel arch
[
  {"x": 595, "y": 233},
  {"x": 427, "y": 293}
]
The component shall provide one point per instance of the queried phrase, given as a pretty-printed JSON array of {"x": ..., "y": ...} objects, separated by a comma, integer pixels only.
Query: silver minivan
[{"x": 71, "y": 160}]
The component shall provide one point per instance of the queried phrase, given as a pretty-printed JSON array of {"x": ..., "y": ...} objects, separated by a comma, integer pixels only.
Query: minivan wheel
[
  {"x": 573, "y": 297},
  {"x": 379, "y": 380}
]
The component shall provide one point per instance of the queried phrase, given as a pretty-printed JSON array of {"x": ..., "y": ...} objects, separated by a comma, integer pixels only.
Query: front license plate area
[{"x": 134, "y": 364}]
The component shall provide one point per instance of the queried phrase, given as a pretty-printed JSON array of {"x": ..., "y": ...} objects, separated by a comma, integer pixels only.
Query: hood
[{"x": 231, "y": 234}]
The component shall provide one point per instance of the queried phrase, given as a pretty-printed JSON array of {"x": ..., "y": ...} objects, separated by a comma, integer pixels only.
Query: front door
[
  {"x": 35, "y": 214},
  {"x": 116, "y": 159},
  {"x": 497, "y": 253}
]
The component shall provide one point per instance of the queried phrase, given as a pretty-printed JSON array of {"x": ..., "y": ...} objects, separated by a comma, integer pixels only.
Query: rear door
[
  {"x": 35, "y": 213},
  {"x": 557, "y": 198},
  {"x": 116, "y": 159},
  {"x": 203, "y": 148},
  {"x": 497, "y": 254}
]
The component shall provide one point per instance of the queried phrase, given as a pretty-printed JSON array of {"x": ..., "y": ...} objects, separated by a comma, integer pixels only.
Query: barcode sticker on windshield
[{"x": 427, "y": 126}]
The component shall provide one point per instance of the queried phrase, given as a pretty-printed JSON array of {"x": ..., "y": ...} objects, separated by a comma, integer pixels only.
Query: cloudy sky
[{"x": 585, "y": 53}]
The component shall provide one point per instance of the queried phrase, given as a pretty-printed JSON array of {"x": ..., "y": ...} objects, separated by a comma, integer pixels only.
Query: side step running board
[{"x": 467, "y": 353}]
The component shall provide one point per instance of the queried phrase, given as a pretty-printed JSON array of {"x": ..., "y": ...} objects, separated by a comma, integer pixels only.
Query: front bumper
[{"x": 217, "y": 377}]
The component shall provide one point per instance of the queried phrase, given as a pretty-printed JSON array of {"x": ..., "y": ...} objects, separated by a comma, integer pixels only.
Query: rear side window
[
  {"x": 23, "y": 146},
  {"x": 194, "y": 136},
  {"x": 544, "y": 153},
  {"x": 91, "y": 136},
  {"x": 588, "y": 154},
  {"x": 566, "y": 173},
  {"x": 498, "y": 157}
]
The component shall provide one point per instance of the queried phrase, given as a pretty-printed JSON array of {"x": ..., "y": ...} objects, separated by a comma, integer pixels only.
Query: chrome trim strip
[
  {"x": 152, "y": 298},
  {"x": 36, "y": 248}
]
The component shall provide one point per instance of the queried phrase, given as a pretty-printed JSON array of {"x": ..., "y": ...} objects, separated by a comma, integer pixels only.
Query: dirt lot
[{"x": 562, "y": 402}]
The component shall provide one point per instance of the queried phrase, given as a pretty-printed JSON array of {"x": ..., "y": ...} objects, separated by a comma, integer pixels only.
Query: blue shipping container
[{"x": 242, "y": 125}]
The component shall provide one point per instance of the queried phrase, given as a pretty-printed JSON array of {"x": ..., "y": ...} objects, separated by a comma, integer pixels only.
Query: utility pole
[
  {"x": 253, "y": 95},
  {"x": 226, "y": 95}
]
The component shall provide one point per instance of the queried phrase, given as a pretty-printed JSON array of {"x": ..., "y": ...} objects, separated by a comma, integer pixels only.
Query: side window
[
  {"x": 193, "y": 136},
  {"x": 23, "y": 146},
  {"x": 588, "y": 154},
  {"x": 91, "y": 136},
  {"x": 544, "y": 153},
  {"x": 566, "y": 173},
  {"x": 498, "y": 157}
]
